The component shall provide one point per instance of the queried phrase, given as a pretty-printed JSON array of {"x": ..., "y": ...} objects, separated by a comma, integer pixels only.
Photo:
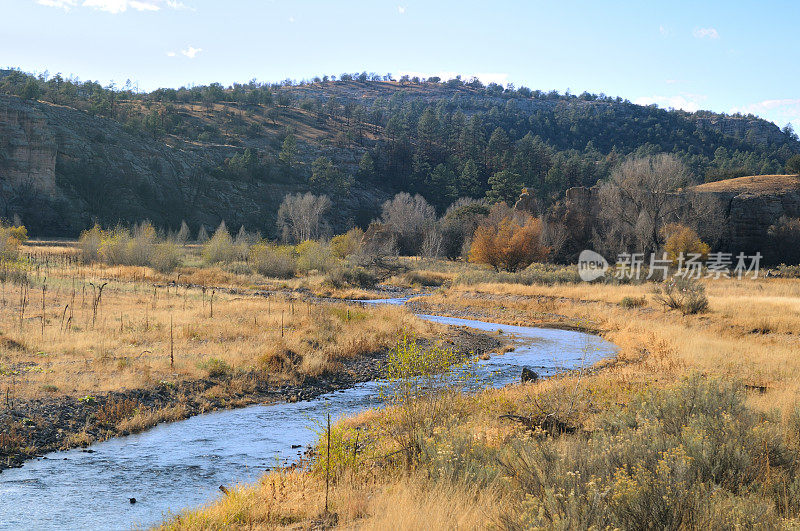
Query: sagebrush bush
[
  {"x": 672, "y": 458},
  {"x": 633, "y": 302},
  {"x": 689, "y": 456},
  {"x": 216, "y": 368},
  {"x": 273, "y": 261},
  {"x": 425, "y": 278},
  {"x": 684, "y": 294}
]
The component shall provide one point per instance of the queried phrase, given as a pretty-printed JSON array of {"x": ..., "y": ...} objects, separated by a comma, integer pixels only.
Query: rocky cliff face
[
  {"x": 751, "y": 206},
  {"x": 750, "y": 216},
  {"x": 27, "y": 148},
  {"x": 749, "y": 129},
  {"x": 61, "y": 170}
]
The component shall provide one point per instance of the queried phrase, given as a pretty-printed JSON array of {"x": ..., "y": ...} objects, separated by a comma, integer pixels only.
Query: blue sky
[{"x": 723, "y": 56}]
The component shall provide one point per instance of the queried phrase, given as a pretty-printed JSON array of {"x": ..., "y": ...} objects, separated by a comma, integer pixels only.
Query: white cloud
[
  {"x": 793, "y": 105},
  {"x": 686, "y": 102},
  {"x": 663, "y": 30},
  {"x": 779, "y": 111},
  {"x": 291, "y": 20},
  {"x": 705, "y": 33},
  {"x": 485, "y": 77},
  {"x": 144, "y": 6},
  {"x": 401, "y": 10},
  {"x": 191, "y": 52},
  {"x": 62, "y": 4},
  {"x": 177, "y": 6},
  {"x": 171, "y": 54},
  {"x": 116, "y": 6}
]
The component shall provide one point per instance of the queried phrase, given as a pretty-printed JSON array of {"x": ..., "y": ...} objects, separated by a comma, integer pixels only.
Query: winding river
[{"x": 182, "y": 464}]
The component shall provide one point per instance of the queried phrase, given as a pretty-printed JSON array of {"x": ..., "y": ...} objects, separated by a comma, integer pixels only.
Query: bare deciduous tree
[
  {"x": 639, "y": 199},
  {"x": 410, "y": 219},
  {"x": 301, "y": 217}
]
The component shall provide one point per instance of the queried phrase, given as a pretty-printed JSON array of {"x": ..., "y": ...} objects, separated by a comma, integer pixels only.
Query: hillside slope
[{"x": 73, "y": 153}]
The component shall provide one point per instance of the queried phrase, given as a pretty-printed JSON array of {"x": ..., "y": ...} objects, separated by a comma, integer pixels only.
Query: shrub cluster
[
  {"x": 690, "y": 456},
  {"x": 273, "y": 260},
  {"x": 140, "y": 246},
  {"x": 351, "y": 276},
  {"x": 544, "y": 274},
  {"x": 347, "y": 244},
  {"x": 11, "y": 237},
  {"x": 222, "y": 247},
  {"x": 683, "y": 240},
  {"x": 672, "y": 459}
]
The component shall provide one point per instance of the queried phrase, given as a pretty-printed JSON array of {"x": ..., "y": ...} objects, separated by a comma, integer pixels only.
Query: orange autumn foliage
[{"x": 508, "y": 244}]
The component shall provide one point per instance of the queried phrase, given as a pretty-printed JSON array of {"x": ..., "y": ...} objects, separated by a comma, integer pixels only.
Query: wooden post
[
  {"x": 44, "y": 290},
  {"x": 328, "y": 465},
  {"x": 171, "y": 345},
  {"x": 213, "y": 291},
  {"x": 281, "y": 323}
]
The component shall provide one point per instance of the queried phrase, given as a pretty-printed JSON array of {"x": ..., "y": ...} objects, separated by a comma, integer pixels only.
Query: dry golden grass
[
  {"x": 754, "y": 184},
  {"x": 140, "y": 319},
  {"x": 752, "y": 331},
  {"x": 295, "y": 499}
]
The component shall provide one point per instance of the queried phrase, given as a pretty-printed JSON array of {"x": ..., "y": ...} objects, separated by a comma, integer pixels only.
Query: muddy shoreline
[{"x": 34, "y": 427}]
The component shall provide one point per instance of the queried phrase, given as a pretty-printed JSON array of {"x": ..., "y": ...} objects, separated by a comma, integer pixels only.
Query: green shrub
[
  {"x": 633, "y": 302},
  {"x": 418, "y": 382},
  {"x": 222, "y": 247},
  {"x": 346, "y": 244},
  {"x": 216, "y": 368},
  {"x": 273, "y": 261},
  {"x": 314, "y": 255},
  {"x": 425, "y": 278}
]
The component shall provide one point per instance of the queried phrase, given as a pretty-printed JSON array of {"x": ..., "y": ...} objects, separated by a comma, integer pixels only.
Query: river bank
[{"x": 41, "y": 425}]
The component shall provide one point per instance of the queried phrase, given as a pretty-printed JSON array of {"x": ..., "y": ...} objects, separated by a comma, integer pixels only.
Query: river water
[{"x": 182, "y": 464}]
